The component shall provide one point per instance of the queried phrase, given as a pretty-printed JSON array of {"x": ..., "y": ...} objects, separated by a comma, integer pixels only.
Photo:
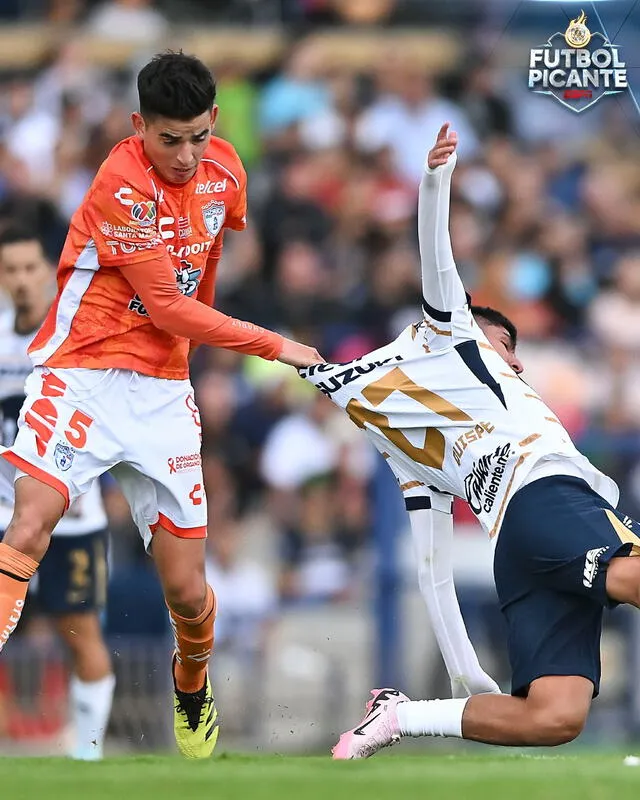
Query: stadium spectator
[{"x": 128, "y": 21}]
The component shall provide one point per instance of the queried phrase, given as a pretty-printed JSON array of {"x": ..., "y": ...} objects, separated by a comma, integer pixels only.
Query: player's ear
[
  {"x": 138, "y": 123},
  {"x": 214, "y": 116}
]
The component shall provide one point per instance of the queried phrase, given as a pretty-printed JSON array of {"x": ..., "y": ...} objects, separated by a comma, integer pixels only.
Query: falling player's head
[
  {"x": 177, "y": 113},
  {"x": 501, "y": 333},
  {"x": 25, "y": 273}
]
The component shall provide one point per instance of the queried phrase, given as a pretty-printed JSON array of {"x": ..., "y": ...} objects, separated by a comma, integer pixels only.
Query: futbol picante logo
[
  {"x": 580, "y": 74},
  {"x": 144, "y": 213}
]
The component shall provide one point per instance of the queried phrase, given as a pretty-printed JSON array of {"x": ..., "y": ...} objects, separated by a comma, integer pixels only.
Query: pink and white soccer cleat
[{"x": 378, "y": 729}]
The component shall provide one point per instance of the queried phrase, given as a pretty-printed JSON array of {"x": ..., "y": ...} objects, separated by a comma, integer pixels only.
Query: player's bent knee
[
  {"x": 80, "y": 630},
  {"x": 186, "y": 598},
  {"x": 37, "y": 510},
  {"x": 30, "y": 534},
  {"x": 558, "y": 727}
]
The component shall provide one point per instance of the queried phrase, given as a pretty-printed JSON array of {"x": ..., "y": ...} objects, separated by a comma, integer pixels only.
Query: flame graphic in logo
[
  {"x": 582, "y": 19},
  {"x": 577, "y": 34}
]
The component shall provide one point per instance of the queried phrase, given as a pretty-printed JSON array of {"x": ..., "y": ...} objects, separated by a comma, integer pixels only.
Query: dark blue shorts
[
  {"x": 72, "y": 576},
  {"x": 550, "y": 565}
]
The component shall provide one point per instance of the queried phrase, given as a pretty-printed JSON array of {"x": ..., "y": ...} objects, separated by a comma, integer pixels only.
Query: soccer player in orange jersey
[
  {"x": 110, "y": 389},
  {"x": 72, "y": 578}
]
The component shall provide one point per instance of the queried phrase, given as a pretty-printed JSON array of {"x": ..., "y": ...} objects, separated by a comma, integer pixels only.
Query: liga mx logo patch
[
  {"x": 214, "y": 214},
  {"x": 577, "y": 67},
  {"x": 144, "y": 213},
  {"x": 63, "y": 456}
]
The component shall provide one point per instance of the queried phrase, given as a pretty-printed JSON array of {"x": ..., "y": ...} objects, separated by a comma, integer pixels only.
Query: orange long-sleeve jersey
[{"x": 136, "y": 275}]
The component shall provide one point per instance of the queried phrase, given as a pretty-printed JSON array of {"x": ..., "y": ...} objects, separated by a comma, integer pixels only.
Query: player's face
[
  {"x": 175, "y": 147},
  {"x": 25, "y": 275},
  {"x": 502, "y": 343}
]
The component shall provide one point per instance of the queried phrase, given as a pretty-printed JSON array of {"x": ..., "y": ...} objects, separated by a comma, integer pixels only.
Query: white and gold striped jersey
[{"x": 442, "y": 406}]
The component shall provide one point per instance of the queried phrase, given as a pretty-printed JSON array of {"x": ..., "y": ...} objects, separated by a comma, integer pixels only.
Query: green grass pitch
[{"x": 585, "y": 776}]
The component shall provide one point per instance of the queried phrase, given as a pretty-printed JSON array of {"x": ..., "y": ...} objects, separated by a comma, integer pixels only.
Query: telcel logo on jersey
[
  {"x": 582, "y": 73},
  {"x": 211, "y": 187}
]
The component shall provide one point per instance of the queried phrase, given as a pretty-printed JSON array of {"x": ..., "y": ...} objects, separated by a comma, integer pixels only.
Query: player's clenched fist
[
  {"x": 299, "y": 355},
  {"x": 446, "y": 143}
]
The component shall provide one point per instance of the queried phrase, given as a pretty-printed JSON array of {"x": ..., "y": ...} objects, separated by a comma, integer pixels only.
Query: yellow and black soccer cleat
[{"x": 195, "y": 722}]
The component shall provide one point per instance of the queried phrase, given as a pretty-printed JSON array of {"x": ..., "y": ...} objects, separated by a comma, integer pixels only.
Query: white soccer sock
[
  {"x": 431, "y": 717},
  {"x": 90, "y": 710}
]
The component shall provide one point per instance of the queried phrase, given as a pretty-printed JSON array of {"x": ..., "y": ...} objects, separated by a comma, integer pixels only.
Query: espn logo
[{"x": 577, "y": 94}]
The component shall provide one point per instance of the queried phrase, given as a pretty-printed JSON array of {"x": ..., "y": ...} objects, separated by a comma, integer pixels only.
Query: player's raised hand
[
  {"x": 446, "y": 143},
  {"x": 299, "y": 355}
]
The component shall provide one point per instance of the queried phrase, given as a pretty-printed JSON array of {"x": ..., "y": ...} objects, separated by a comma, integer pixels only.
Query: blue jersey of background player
[
  {"x": 561, "y": 552},
  {"x": 72, "y": 577}
]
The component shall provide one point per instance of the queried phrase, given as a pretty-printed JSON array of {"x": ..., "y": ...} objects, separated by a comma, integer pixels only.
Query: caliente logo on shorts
[{"x": 63, "y": 455}]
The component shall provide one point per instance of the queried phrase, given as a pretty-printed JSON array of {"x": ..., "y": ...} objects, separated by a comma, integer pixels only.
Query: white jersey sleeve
[
  {"x": 431, "y": 521},
  {"x": 445, "y": 302}
]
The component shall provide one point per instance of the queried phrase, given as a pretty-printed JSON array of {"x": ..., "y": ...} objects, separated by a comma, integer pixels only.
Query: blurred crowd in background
[{"x": 545, "y": 223}]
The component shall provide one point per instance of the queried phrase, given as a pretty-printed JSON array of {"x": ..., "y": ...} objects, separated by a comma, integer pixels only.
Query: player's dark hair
[
  {"x": 13, "y": 233},
  {"x": 494, "y": 317},
  {"x": 176, "y": 86}
]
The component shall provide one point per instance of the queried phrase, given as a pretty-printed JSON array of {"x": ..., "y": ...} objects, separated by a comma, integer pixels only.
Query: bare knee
[
  {"x": 82, "y": 635},
  {"x": 559, "y": 726},
  {"x": 79, "y": 631},
  {"x": 186, "y": 597},
  {"x": 37, "y": 510},
  {"x": 180, "y": 565},
  {"x": 29, "y": 533}
]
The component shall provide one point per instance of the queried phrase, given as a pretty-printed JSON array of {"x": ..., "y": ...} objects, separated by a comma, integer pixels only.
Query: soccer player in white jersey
[
  {"x": 446, "y": 406},
  {"x": 72, "y": 575}
]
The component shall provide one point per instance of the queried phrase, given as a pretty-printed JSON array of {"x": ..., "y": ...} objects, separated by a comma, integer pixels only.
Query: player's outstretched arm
[
  {"x": 293, "y": 353},
  {"x": 171, "y": 311},
  {"x": 441, "y": 285}
]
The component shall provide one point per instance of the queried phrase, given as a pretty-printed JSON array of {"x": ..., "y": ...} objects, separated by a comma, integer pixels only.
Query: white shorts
[{"x": 76, "y": 424}]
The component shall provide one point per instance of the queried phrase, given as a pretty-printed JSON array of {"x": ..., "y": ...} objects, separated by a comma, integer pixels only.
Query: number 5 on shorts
[
  {"x": 42, "y": 418},
  {"x": 78, "y": 425}
]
